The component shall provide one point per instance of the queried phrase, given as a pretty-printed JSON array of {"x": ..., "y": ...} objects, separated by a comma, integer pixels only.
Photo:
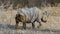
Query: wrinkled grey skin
[{"x": 30, "y": 15}]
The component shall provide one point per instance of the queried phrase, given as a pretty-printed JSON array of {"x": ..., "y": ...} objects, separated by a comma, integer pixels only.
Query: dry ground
[{"x": 7, "y": 23}]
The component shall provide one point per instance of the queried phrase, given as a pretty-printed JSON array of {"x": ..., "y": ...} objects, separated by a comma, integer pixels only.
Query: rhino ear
[{"x": 45, "y": 12}]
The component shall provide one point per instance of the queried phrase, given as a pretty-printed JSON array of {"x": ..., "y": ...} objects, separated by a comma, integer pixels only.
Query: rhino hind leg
[
  {"x": 24, "y": 25},
  {"x": 17, "y": 24}
]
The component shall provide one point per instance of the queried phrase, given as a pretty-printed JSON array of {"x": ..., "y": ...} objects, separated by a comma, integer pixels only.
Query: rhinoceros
[{"x": 30, "y": 15}]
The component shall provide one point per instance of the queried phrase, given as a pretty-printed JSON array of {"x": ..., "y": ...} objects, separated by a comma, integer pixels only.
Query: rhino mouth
[{"x": 43, "y": 20}]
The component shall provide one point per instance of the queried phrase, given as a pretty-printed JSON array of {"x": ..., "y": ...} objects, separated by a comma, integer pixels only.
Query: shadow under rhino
[{"x": 12, "y": 27}]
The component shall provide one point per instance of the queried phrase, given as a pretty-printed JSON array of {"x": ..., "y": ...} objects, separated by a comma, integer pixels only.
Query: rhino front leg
[
  {"x": 33, "y": 26},
  {"x": 33, "y": 22},
  {"x": 39, "y": 23}
]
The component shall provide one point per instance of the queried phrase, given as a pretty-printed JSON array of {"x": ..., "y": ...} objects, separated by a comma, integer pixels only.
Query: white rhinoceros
[{"x": 30, "y": 15}]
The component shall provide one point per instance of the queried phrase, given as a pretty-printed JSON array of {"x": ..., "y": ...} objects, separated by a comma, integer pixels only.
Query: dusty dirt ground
[{"x": 7, "y": 23}]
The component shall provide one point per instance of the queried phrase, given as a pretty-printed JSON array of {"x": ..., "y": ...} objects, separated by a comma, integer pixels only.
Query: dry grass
[{"x": 7, "y": 23}]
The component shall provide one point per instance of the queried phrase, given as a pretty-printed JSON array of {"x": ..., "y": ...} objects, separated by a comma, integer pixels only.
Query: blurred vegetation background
[
  {"x": 7, "y": 17},
  {"x": 14, "y": 4}
]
